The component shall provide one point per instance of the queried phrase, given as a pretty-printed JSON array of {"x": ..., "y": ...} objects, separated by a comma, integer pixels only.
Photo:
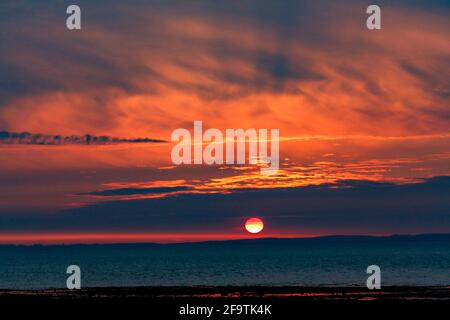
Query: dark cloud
[
  {"x": 361, "y": 206},
  {"x": 136, "y": 191},
  {"x": 87, "y": 139}
]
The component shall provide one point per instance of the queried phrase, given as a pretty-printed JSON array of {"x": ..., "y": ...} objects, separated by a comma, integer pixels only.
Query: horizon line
[{"x": 311, "y": 237}]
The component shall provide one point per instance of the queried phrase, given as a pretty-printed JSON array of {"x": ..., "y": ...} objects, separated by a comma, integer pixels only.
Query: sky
[{"x": 364, "y": 118}]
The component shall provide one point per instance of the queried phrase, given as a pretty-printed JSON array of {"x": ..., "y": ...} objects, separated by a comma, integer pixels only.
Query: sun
[{"x": 254, "y": 225}]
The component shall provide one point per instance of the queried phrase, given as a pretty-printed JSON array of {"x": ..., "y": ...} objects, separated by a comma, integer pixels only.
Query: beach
[{"x": 227, "y": 302}]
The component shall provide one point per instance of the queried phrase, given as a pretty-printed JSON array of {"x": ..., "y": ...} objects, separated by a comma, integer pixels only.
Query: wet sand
[
  {"x": 230, "y": 292},
  {"x": 285, "y": 302}
]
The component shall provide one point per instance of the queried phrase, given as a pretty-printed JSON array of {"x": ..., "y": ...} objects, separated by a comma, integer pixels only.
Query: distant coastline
[{"x": 268, "y": 240}]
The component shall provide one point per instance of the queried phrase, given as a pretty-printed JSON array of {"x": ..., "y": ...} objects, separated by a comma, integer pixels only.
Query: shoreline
[
  {"x": 233, "y": 292},
  {"x": 226, "y": 302}
]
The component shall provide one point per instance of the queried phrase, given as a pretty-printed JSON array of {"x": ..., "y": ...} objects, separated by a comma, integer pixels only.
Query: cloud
[
  {"x": 145, "y": 68},
  {"x": 314, "y": 67},
  {"x": 137, "y": 191},
  {"x": 356, "y": 207},
  {"x": 88, "y": 139}
]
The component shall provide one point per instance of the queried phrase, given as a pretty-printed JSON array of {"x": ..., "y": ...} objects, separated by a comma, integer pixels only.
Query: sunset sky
[{"x": 364, "y": 118}]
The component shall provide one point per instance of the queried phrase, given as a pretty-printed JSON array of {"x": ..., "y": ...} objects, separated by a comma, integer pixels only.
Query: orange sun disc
[{"x": 254, "y": 225}]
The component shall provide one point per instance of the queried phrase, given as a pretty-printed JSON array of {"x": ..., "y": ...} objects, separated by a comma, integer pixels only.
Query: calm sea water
[{"x": 305, "y": 262}]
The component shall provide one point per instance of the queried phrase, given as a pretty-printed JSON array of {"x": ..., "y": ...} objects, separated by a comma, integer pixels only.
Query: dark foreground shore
[{"x": 229, "y": 302}]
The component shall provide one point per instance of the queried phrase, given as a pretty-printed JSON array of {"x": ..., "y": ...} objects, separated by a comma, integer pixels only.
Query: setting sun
[{"x": 254, "y": 225}]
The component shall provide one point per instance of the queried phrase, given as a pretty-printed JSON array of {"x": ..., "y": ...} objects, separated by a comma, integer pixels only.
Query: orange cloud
[{"x": 175, "y": 66}]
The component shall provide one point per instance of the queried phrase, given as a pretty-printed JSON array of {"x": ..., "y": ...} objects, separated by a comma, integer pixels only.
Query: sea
[{"x": 422, "y": 260}]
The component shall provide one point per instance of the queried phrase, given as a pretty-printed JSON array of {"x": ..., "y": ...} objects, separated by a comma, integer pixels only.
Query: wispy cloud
[
  {"x": 87, "y": 139},
  {"x": 292, "y": 66},
  {"x": 137, "y": 191}
]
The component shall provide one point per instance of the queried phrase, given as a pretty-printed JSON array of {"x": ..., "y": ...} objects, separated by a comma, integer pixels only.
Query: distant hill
[{"x": 285, "y": 242}]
